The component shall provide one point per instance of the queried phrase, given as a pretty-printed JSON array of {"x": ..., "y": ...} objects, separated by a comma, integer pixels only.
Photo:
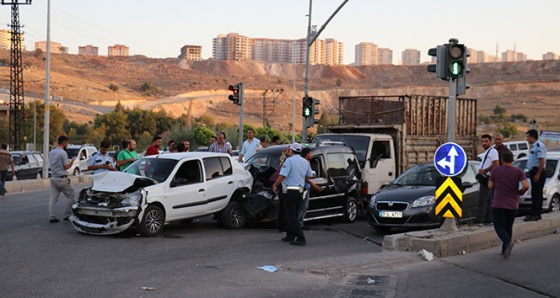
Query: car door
[
  {"x": 470, "y": 195},
  {"x": 27, "y": 169},
  {"x": 317, "y": 199},
  {"x": 185, "y": 196},
  {"x": 219, "y": 182},
  {"x": 39, "y": 159}
]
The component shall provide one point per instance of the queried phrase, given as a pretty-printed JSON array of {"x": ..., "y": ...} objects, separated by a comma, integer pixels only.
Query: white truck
[{"x": 392, "y": 133}]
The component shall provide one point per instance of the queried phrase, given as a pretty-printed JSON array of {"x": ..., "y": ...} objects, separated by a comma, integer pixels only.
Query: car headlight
[
  {"x": 132, "y": 200},
  {"x": 372, "y": 201},
  {"x": 424, "y": 201}
]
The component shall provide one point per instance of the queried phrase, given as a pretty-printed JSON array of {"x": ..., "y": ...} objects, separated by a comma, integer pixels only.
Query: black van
[{"x": 336, "y": 171}]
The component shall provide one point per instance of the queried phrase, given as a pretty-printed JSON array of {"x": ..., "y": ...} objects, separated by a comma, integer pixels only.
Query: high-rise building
[
  {"x": 88, "y": 50},
  {"x": 231, "y": 47},
  {"x": 271, "y": 50},
  {"x": 366, "y": 53},
  {"x": 6, "y": 39},
  {"x": 334, "y": 52},
  {"x": 513, "y": 55},
  {"x": 56, "y": 47},
  {"x": 410, "y": 57},
  {"x": 385, "y": 56},
  {"x": 190, "y": 52},
  {"x": 550, "y": 56},
  {"x": 118, "y": 50}
]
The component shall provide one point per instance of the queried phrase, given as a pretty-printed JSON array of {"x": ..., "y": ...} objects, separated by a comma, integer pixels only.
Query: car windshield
[
  {"x": 156, "y": 168},
  {"x": 549, "y": 169},
  {"x": 265, "y": 158},
  {"x": 425, "y": 175},
  {"x": 359, "y": 143},
  {"x": 72, "y": 153}
]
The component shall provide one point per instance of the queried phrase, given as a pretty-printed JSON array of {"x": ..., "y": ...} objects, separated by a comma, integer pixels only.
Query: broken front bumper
[{"x": 118, "y": 219}]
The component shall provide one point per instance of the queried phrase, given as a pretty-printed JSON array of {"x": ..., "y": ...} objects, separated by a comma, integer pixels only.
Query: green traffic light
[
  {"x": 306, "y": 112},
  {"x": 456, "y": 68}
]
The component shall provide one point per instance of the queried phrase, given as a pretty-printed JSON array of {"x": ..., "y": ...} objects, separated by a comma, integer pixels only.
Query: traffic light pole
[
  {"x": 449, "y": 224},
  {"x": 242, "y": 104}
]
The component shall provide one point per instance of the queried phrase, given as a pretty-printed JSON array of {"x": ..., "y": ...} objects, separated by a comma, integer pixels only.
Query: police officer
[
  {"x": 292, "y": 178},
  {"x": 536, "y": 163},
  {"x": 101, "y": 161}
]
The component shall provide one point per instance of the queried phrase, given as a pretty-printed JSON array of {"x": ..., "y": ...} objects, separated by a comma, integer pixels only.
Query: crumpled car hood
[{"x": 112, "y": 181}]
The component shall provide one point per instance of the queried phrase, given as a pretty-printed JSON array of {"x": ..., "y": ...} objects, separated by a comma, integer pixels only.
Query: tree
[
  {"x": 508, "y": 130},
  {"x": 114, "y": 88},
  {"x": 339, "y": 82},
  {"x": 207, "y": 120},
  {"x": 201, "y": 135}
]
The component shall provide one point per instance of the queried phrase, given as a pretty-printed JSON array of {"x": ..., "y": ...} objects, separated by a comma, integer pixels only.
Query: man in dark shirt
[{"x": 499, "y": 145}]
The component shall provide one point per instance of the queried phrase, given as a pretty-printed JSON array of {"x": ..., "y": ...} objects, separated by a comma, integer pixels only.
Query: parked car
[
  {"x": 28, "y": 165},
  {"x": 81, "y": 153},
  {"x": 156, "y": 190},
  {"x": 551, "y": 190},
  {"x": 409, "y": 201},
  {"x": 519, "y": 149},
  {"x": 336, "y": 171}
]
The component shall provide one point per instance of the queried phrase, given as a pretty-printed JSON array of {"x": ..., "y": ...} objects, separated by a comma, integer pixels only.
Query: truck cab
[{"x": 376, "y": 156}]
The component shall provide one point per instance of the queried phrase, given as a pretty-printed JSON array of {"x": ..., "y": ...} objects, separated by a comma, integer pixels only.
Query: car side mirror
[
  {"x": 466, "y": 185},
  {"x": 178, "y": 182},
  {"x": 314, "y": 175}
]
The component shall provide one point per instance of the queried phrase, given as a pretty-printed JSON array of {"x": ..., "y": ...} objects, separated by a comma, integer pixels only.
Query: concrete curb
[
  {"x": 469, "y": 238},
  {"x": 35, "y": 184}
]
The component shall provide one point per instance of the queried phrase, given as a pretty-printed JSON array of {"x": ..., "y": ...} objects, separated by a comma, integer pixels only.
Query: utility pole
[
  {"x": 311, "y": 37},
  {"x": 47, "y": 125}
]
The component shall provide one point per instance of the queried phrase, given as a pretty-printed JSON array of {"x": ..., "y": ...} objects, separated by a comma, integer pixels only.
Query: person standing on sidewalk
[
  {"x": 60, "y": 183},
  {"x": 536, "y": 162},
  {"x": 484, "y": 212},
  {"x": 505, "y": 182},
  {"x": 249, "y": 147},
  {"x": 127, "y": 156},
  {"x": 499, "y": 146},
  {"x": 5, "y": 160},
  {"x": 292, "y": 180}
]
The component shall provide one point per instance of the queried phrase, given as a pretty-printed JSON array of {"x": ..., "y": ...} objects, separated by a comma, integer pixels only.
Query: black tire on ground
[
  {"x": 382, "y": 229},
  {"x": 152, "y": 222},
  {"x": 76, "y": 172},
  {"x": 233, "y": 216},
  {"x": 350, "y": 209},
  {"x": 554, "y": 203}
]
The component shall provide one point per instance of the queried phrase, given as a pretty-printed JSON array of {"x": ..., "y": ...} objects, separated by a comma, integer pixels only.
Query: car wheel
[
  {"x": 152, "y": 221},
  {"x": 382, "y": 229},
  {"x": 76, "y": 172},
  {"x": 350, "y": 209},
  {"x": 233, "y": 216},
  {"x": 554, "y": 203}
]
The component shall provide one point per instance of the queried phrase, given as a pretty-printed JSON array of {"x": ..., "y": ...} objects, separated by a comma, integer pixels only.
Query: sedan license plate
[{"x": 390, "y": 214}]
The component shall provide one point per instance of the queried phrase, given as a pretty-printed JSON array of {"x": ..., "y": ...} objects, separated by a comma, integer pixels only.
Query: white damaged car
[{"x": 157, "y": 190}]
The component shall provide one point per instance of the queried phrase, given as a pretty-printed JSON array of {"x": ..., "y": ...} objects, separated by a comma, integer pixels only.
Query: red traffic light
[{"x": 235, "y": 89}]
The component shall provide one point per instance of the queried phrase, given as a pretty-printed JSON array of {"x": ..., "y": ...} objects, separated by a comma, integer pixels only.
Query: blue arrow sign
[{"x": 450, "y": 159}]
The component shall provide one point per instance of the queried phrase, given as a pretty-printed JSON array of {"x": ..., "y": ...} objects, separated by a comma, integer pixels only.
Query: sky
[{"x": 159, "y": 28}]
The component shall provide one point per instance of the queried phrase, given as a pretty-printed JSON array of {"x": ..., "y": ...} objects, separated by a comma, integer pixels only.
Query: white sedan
[{"x": 551, "y": 190}]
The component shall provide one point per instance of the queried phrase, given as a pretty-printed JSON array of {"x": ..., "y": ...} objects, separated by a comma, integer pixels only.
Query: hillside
[{"x": 531, "y": 88}]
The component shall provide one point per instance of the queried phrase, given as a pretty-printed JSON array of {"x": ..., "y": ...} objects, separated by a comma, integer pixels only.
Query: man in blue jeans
[
  {"x": 505, "y": 182},
  {"x": 5, "y": 161}
]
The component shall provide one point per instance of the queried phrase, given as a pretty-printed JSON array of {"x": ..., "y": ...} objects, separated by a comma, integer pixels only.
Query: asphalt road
[{"x": 202, "y": 259}]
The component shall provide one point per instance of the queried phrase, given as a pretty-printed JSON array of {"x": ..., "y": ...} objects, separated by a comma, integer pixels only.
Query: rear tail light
[{"x": 365, "y": 188}]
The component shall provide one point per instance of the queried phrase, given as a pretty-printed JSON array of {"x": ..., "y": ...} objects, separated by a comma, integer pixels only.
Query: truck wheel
[
  {"x": 152, "y": 221},
  {"x": 382, "y": 229},
  {"x": 350, "y": 209},
  {"x": 554, "y": 203},
  {"x": 233, "y": 216},
  {"x": 76, "y": 172}
]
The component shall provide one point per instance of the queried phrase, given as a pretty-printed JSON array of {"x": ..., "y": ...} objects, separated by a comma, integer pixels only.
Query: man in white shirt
[
  {"x": 489, "y": 161},
  {"x": 249, "y": 146}
]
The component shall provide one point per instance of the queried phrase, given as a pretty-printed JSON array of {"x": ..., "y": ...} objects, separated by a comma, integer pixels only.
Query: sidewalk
[
  {"x": 35, "y": 184},
  {"x": 468, "y": 238}
]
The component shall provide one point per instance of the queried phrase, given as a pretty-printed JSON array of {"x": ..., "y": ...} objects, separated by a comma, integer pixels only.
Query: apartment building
[
  {"x": 191, "y": 52},
  {"x": 88, "y": 50},
  {"x": 271, "y": 50},
  {"x": 6, "y": 39},
  {"x": 411, "y": 57},
  {"x": 118, "y": 50},
  {"x": 512, "y": 56},
  {"x": 334, "y": 52},
  {"x": 231, "y": 47},
  {"x": 56, "y": 47},
  {"x": 550, "y": 56},
  {"x": 366, "y": 53},
  {"x": 385, "y": 56}
]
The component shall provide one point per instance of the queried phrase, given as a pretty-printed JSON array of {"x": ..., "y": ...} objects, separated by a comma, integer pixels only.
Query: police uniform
[
  {"x": 99, "y": 159},
  {"x": 295, "y": 169},
  {"x": 538, "y": 151}
]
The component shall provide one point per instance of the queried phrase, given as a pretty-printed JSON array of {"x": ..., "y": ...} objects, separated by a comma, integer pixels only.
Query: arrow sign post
[
  {"x": 450, "y": 159},
  {"x": 449, "y": 197}
]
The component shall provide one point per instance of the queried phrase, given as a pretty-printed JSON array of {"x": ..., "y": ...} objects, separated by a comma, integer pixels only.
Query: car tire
[
  {"x": 554, "y": 203},
  {"x": 382, "y": 229},
  {"x": 350, "y": 209},
  {"x": 76, "y": 172},
  {"x": 233, "y": 216},
  {"x": 152, "y": 221}
]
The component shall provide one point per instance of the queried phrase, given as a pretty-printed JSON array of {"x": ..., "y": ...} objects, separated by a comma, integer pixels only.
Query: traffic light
[
  {"x": 235, "y": 95},
  {"x": 462, "y": 84},
  {"x": 316, "y": 104},
  {"x": 456, "y": 60},
  {"x": 307, "y": 110},
  {"x": 441, "y": 57}
]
